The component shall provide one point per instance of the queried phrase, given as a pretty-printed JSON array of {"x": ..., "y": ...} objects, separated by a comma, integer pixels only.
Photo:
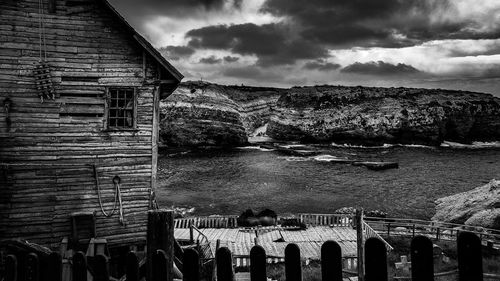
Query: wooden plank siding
[{"x": 47, "y": 151}]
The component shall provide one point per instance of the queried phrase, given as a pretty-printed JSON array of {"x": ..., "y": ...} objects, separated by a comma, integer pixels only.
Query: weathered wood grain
[{"x": 47, "y": 151}]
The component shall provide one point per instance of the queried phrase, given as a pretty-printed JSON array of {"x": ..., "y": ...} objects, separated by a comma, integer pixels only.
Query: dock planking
[{"x": 240, "y": 241}]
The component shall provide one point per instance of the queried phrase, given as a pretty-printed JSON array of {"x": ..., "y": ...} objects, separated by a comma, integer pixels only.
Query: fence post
[
  {"x": 159, "y": 264},
  {"x": 32, "y": 270},
  {"x": 191, "y": 235},
  {"x": 160, "y": 236},
  {"x": 360, "y": 244},
  {"x": 54, "y": 267},
  {"x": 191, "y": 264},
  {"x": 101, "y": 270},
  {"x": 132, "y": 266},
  {"x": 331, "y": 261},
  {"x": 293, "y": 268},
  {"x": 79, "y": 267},
  {"x": 258, "y": 264},
  {"x": 422, "y": 260},
  {"x": 11, "y": 268},
  {"x": 375, "y": 260},
  {"x": 470, "y": 259},
  {"x": 224, "y": 261}
]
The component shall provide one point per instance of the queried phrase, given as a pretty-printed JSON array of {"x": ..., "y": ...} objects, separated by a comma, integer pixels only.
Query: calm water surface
[{"x": 228, "y": 182}]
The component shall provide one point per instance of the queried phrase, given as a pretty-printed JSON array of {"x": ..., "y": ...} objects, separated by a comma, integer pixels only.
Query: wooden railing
[
  {"x": 230, "y": 221},
  {"x": 327, "y": 219},
  {"x": 207, "y": 222},
  {"x": 432, "y": 229},
  {"x": 368, "y": 232}
]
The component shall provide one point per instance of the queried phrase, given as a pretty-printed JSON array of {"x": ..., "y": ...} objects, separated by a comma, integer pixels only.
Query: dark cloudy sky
[{"x": 420, "y": 43}]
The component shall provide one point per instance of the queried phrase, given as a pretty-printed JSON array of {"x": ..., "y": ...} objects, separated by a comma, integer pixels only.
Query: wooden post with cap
[{"x": 360, "y": 244}]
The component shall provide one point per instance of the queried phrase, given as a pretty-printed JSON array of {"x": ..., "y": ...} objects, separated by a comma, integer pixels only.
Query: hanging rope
[
  {"x": 41, "y": 31},
  {"x": 43, "y": 79},
  {"x": 117, "y": 196}
]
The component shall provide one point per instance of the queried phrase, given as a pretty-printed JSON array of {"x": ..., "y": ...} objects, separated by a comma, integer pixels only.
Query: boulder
[
  {"x": 477, "y": 207},
  {"x": 486, "y": 218}
]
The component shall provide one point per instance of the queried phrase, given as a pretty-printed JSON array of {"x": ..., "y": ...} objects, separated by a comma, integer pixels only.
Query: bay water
[{"x": 232, "y": 180}]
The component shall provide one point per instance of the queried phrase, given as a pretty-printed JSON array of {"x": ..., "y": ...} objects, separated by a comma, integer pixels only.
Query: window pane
[{"x": 121, "y": 108}]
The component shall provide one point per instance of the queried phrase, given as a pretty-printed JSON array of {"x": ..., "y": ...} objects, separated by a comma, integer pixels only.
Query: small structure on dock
[{"x": 79, "y": 96}]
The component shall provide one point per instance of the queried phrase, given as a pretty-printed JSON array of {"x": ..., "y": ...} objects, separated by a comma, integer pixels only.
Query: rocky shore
[
  {"x": 477, "y": 207},
  {"x": 374, "y": 116},
  {"x": 200, "y": 117},
  {"x": 206, "y": 114}
]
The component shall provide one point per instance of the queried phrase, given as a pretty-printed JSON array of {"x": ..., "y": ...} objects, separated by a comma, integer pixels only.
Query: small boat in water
[{"x": 377, "y": 166}]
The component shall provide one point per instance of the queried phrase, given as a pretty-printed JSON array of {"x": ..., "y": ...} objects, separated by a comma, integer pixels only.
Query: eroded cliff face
[
  {"x": 205, "y": 114},
  {"x": 373, "y": 116},
  {"x": 200, "y": 116}
]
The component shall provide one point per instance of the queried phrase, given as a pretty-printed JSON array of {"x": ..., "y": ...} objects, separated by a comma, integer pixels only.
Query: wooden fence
[
  {"x": 345, "y": 220},
  {"x": 327, "y": 219},
  {"x": 432, "y": 229},
  {"x": 376, "y": 267}
]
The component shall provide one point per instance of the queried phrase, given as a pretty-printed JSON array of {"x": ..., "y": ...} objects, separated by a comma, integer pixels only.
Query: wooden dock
[{"x": 275, "y": 239}]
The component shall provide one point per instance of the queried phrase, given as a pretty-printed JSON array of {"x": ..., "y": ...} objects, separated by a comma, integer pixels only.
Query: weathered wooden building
[{"x": 79, "y": 97}]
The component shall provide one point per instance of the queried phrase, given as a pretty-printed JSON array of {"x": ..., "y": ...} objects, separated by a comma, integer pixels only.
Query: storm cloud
[
  {"x": 381, "y": 23},
  {"x": 174, "y": 8},
  {"x": 321, "y": 65},
  {"x": 380, "y": 68},
  {"x": 230, "y": 59},
  {"x": 176, "y": 52},
  {"x": 435, "y": 43},
  {"x": 210, "y": 60},
  {"x": 271, "y": 43}
]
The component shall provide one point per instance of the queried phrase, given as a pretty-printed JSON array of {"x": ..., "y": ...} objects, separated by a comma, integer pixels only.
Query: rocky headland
[
  {"x": 477, "y": 207},
  {"x": 201, "y": 114},
  {"x": 374, "y": 116},
  {"x": 206, "y": 114}
]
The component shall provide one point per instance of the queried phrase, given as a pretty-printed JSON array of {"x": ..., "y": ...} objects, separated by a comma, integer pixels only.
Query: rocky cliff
[
  {"x": 373, "y": 116},
  {"x": 205, "y": 114},
  {"x": 479, "y": 207}
]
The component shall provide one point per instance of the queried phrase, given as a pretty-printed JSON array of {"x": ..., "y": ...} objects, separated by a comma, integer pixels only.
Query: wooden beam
[{"x": 52, "y": 6}]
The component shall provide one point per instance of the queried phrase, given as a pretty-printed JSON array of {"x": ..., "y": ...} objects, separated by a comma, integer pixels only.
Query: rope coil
[{"x": 117, "y": 196}]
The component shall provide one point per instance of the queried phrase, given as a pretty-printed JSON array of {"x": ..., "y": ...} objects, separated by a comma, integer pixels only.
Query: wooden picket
[
  {"x": 224, "y": 261},
  {"x": 470, "y": 266},
  {"x": 331, "y": 261},
  {"x": 191, "y": 262},
  {"x": 132, "y": 267},
  {"x": 375, "y": 260},
  {"x": 293, "y": 269},
  {"x": 79, "y": 267},
  {"x": 258, "y": 264},
  {"x": 11, "y": 268},
  {"x": 422, "y": 263},
  {"x": 54, "y": 267}
]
